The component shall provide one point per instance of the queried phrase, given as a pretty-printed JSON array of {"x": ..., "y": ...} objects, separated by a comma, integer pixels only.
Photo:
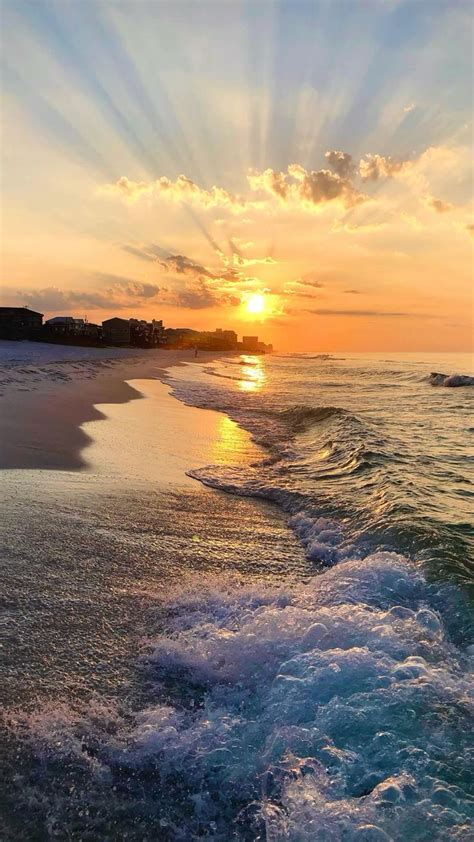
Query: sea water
[{"x": 336, "y": 705}]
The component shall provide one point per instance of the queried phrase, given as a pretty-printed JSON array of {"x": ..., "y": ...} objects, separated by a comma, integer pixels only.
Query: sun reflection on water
[
  {"x": 231, "y": 444},
  {"x": 253, "y": 374}
]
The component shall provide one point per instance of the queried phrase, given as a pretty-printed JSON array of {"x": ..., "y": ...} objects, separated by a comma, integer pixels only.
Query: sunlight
[
  {"x": 256, "y": 304},
  {"x": 253, "y": 374}
]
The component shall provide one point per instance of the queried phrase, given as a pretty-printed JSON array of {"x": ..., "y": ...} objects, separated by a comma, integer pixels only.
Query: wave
[
  {"x": 337, "y": 709},
  {"x": 300, "y": 417},
  {"x": 323, "y": 357},
  {"x": 438, "y": 379}
]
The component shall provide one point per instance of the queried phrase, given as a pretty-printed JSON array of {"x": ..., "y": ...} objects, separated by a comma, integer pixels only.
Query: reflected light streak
[
  {"x": 230, "y": 443},
  {"x": 253, "y": 374}
]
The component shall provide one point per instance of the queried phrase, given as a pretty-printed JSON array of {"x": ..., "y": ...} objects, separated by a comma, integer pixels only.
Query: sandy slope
[{"x": 50, "y": 391}]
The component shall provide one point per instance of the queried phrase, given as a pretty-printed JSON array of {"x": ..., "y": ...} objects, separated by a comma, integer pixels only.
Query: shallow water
[
  {"x": 311, "y": 683},
  {"x": 367, "y": 441}
]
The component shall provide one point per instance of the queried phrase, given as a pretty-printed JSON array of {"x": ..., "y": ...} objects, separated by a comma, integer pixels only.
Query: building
[
  {"x": 116, "y": 331},
  {"x": 64, "y": 325},
  {"x": 19, "y": 323},
  {"x": 146, "y": 334},
  {"x": 180, "y": 337},
  {"x": 70, "y": 328},
  {"x": 228, "y": 336},
  {"x": 250, "y": 343},
  {"x": 137, "y": 332}
]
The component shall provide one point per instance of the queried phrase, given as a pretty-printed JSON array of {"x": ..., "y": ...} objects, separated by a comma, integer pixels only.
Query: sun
[{"x": 256, "y": 304}]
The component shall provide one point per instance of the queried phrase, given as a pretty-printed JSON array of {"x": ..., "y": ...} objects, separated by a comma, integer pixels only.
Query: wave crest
[{"x": 438, "y": 379}]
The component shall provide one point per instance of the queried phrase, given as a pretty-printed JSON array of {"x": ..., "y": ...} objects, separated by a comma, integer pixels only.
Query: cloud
[
  {"x": 150, "y": 252},
  {"x": 358, "y": 228},
  {"x": 375, "y": 167},
  {"x": 182, "y": 265},
  {"x": 306, "y": 189},
  {"x": 121, "y": 294},
  {"x": 470, "y": 228},
  {"x": 299, "y": 187},
  {"x": 198, "y": 295},
  {"x": 311, "y": 279},
  {"x": 438, "y": 205},
  {"x": 341, "y": 163},
  {"x": 410, "y": 107},
  {"x": 361, "y": 313},
  {"x": 352, "y": 292},
  {"x": 184, "y": 189}
]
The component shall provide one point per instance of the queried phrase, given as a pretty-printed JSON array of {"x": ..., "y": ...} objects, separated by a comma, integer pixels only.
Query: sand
[
  {"x": 99, "y": 519},
  {"x": 47, "y": 402}
]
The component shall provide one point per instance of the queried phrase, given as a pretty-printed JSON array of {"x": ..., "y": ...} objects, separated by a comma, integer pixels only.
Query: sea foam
[{"x": 331, "y": 710}]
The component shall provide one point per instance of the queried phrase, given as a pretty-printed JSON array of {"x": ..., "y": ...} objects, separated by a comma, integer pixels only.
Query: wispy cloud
[
  {"x": 361, "y": 313},
  {"x": 149, "y": 252},
  {"x": 438, "y": 205},
  {"x": 120, "y": 294}
]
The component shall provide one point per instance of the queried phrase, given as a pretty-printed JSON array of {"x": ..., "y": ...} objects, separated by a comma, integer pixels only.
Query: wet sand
[
  {"x": 100, "y": 518},
  {"x": 45, "y": 404}
]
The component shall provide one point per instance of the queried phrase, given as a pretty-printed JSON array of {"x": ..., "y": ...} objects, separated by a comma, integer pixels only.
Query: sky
[{"x": 297, "y": 170}]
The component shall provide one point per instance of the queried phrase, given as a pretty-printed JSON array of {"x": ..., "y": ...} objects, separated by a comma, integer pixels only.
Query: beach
[
  {"x": 199, "y": 639},
  {"x": 56, "y": 390}
]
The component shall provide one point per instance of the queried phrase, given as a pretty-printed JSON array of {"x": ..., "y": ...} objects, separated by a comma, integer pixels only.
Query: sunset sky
[{"x": 172, "y": 159}]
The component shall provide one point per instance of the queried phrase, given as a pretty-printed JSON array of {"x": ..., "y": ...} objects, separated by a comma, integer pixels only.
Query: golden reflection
[
  {"x": 253, "y": 374},
  {"x": 229, "y": 443}
]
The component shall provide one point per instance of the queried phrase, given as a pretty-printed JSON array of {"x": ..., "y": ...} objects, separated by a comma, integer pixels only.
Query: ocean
[
  {"x": 374, "y": 447},
  {"x": 311, "y": 678}
]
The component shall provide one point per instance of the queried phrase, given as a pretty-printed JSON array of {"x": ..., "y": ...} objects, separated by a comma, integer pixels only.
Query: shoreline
[{"x": 54, "y": 399}]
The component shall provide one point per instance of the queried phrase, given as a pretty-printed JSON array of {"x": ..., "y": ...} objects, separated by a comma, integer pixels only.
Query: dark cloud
[
  {"x": 341, "y": 163},
  {"x": 319, "y": 186},
  {"x": 352, "y": 292},
  {"x": 311, "y": 279},
  {"x": 182, "y": 265},
  {"x": 306, "y": 188},
  {"x": 119, "y": 295},
  {"x": 198, "y": 296}
]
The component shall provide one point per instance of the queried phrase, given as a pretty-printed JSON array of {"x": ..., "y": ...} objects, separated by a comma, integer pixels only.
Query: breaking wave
[
  {"x": 437, "y": 379},
  {"x": 334, "y": 710}
]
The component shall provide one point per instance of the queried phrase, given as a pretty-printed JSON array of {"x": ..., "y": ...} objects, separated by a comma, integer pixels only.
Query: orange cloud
[
  {"x": 306, "y": 189},
  {"x": 438, "y": 205},
  {"x": 375, "y": 167}
]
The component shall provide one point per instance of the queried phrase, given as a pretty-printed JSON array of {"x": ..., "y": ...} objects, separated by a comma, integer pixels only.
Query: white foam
[{"x": 331, "y": 710}]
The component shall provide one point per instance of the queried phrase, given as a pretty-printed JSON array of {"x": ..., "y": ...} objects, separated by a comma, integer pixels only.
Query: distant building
[
  {"x": 116, "y": 331},
  {"x": 229, "y": 336},
  {"x": 180, "y": 337},
  {"x": 19, "y": 323},
  {"x": 250, "y": 343}
]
